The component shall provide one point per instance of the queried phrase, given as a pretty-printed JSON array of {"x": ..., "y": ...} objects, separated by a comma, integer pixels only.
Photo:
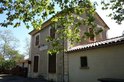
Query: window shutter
[
  {"x": 52, "y": 63},
  {"x": 36, "y": 59},
  {"x": 52, "y": 32},
  {"x": 92, "y": 37},
  {"x": 37, "y": 40}
]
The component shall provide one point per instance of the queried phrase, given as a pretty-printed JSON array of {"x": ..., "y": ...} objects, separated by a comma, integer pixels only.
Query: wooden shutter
[
  {"x": 52, "y": 63},
  {"x": 37, "y": 40},
  {"x": 36, "y": 59},
  {"x": 52, "y": 32},
  {"x": 92, "y": 37}
]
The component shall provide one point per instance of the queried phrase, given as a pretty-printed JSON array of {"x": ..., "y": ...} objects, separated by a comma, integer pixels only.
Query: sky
[
  {"x": 21, "y": 33},
  {"x": 115, "y": 29}
]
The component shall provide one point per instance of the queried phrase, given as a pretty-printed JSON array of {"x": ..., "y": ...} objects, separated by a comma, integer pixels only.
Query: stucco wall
[
  {"x": 43, "y": 58},
  {"x": 107, "y": 62},
  {"x": 83, "y": 28},
  {"x": 35, "y": 51}
]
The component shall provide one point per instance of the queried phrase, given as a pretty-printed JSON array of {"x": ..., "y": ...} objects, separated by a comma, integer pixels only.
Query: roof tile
[{"x": 96, "y": 44}]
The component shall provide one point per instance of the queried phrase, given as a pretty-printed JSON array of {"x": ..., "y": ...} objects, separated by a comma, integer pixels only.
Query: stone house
[{"x": 55, "y": 67}]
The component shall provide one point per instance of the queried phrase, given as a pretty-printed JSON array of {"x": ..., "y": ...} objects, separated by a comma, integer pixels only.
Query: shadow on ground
[{"x": 11, "y": 78}]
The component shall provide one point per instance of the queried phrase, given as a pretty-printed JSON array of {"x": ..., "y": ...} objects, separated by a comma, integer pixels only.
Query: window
[
  {"x": 36, "y": 59},
  {"x": 91, "y": 37},
  {"x": 52, "y": 32},
  {"x": 37, "y": 40},
  {"x": 52, "y": 63},
  {"x": 83, "y": 61}
]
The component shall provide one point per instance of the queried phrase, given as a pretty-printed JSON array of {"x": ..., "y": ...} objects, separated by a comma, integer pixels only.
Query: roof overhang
[
  {"x": 108, "y": 42},
  {"x": 45, "y": 24},
  {"x": 102, "y": 21}
]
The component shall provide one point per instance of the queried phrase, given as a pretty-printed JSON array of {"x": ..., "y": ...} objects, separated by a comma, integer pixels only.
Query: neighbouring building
[
  {"x": 93, "y": 61},
  {"x": 24, "y": 63},
  {"x": 56, "y": 67}
]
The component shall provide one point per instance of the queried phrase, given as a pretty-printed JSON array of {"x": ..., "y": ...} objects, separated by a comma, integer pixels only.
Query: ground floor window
[
  {"x": 36, "y": 59},
  {"x": 52, "y": 63}
]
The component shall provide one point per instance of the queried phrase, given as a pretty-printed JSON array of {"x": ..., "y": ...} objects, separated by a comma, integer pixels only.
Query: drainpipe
[
  {"x": 68, "y": 66},
  {"x": 63, "y": 60}
]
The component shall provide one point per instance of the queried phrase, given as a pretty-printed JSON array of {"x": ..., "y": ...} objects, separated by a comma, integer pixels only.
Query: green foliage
[
  {"x": 7, "y": 64},
  {"x": 117, "y": 7},
  {"x": 12, "y": 54},
  {"x": 8, "y": 46},
  {"x": 1, "y": 57},
  {"x": 35, "y": 12},
  {"x": 25, "y": 11}
]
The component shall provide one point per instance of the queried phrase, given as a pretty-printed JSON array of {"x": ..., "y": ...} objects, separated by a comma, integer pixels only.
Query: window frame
[
  {"x": 51, "y": 27},
  {"x": 91, "y": 39},
  {"x": 37, "y": 35},
  {"x": 35, "y": 70},
  {"x": 84, "y": 65},
  {"x": 52, "y": 68}
]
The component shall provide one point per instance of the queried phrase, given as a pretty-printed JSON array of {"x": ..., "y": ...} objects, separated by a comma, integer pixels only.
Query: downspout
[
  {"x": 68, "y": 66},
  {"x": 63, "y": 60}
]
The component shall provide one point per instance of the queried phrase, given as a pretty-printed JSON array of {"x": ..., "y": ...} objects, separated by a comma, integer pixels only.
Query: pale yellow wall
[
  {"x": 42, "y": 69},
  {"x": 43, "y": 58},
  {"x": 107, "y": 62}
]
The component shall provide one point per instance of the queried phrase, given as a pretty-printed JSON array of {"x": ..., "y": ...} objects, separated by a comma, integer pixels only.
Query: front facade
[
  {"x": 104, "y": 59},
  {"x": 53, "y": 67},
  {"x": 43, "y": 64}
]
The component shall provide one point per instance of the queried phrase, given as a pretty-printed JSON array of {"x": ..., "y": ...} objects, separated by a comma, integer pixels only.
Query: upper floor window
[
  {"x": 91, "y": 37},
  {"x": 37, "y": 40},
  {"x": 52, "y": 32}
]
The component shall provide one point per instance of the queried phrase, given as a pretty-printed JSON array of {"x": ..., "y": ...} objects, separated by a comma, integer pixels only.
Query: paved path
[{"x": 10, "y": 78}]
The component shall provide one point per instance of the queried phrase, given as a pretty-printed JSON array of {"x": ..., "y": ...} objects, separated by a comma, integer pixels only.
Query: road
[{"x": 10, "y": 78}]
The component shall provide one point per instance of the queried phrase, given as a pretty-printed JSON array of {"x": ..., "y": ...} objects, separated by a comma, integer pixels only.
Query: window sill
[{"x": 84, "y": 67}]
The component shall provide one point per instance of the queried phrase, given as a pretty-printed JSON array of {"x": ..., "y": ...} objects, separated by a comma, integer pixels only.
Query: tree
[
  {"x": 35, "y": 12},
  {"x": 27, "y": 46},
  {"x": 7, "y": 38},
  {"x": 8, "y": 53},
  {"x": 8, "y": 45},
  {"x": 14, "y": 55},
  {"x": 7, "y": 65},
  {"x": 117, "y": 7},
  {"x": 1, "y": 58}
]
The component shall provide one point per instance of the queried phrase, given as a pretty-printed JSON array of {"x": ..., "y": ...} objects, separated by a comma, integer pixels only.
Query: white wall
[{"x": 107, "y": 62}]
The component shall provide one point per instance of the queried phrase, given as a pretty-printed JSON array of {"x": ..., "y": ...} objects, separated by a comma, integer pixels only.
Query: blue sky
[{"x": 22, "y": 32}]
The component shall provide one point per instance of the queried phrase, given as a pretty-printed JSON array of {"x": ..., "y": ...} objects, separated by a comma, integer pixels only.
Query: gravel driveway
[{"x": 10, "y": 78}]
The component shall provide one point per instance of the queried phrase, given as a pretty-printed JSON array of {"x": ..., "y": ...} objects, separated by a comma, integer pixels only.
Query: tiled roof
[{"x": 107, "y": 42}]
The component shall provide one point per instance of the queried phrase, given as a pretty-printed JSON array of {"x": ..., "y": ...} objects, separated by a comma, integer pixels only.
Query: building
[
  {"x": 103, "y": 59},
  {"x": 55, "y": 67}
]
